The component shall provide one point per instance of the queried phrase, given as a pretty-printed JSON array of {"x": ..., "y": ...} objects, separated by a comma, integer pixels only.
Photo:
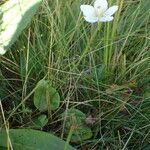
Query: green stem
[{"x": 69, "y": 137}]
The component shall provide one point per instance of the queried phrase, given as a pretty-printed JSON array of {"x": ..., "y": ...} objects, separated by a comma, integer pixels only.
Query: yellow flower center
[{"x": 99, "y": 12}]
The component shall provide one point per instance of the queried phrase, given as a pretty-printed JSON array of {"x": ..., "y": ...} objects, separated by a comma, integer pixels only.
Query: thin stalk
[
  {"x": 69, "y": 137},
  {"x": 6, "y": 126}
]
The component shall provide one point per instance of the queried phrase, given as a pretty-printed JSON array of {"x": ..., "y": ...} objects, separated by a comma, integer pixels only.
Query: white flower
[{"x": 99, "y": 12}]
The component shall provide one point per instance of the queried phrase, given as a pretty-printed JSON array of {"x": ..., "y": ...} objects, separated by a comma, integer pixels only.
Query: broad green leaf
[
  {"x": 16, "y": 15},
  {"x": 40, "y": 121},
  {"x": 75, "y": 116},
  {"x": 147, "y": 94},
  {"x": 46, "y": 96},
  {"x": 28, "y": 139},
  {"x": 77, "y": 119},
  {"x": 80, "y": 134}
]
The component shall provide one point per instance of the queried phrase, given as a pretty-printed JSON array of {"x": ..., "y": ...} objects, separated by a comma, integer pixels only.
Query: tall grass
[{"x": 101, "y": 69}]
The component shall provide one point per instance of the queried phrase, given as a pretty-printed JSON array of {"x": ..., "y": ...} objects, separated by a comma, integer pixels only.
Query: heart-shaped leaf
[
  {"x": 77, "y": 119},
  {"x": 45, "y": 96}
]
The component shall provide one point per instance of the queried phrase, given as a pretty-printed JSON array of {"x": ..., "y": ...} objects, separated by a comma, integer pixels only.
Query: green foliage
[
  {"x": 45, "y": 96},
  {"x": 16, "y": 16},
  {"x": 147, "y": 147},
  {"x": 39, "y": 122},
  {"x": 27, "y": 139},
  {"x": 75, "y": 116},
  {"x": 76, "y": 119},
  {"x": 101, "y": 69},
  {"x": 147, "y": 94}
]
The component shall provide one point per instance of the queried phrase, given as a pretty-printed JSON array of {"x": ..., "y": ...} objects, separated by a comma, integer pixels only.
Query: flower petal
[
  {"x": 88, "y": 10},
  {"x": 111, "y": 10},
  {"x": 101, "y": 4},
  {"x": 106, "y": 19},
  {"x": 91, "y": 19}
]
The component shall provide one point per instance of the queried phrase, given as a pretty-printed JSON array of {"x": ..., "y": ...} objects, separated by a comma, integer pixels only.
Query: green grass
[{"x": 101, "y": 69}]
